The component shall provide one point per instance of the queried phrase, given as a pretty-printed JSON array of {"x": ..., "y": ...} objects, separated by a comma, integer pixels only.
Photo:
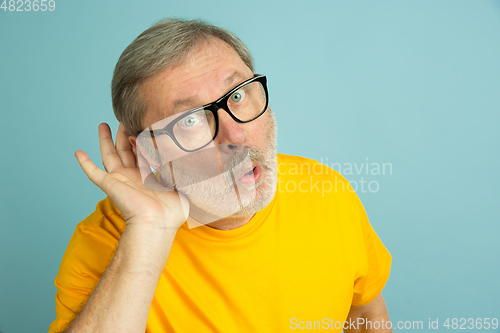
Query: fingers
[
  {"x": 134, "y": 150},
  {"x": 146, "y": 172},
  {"x": 124, "y": 148},
  {"x": 95, "y": 174},
  {"x": 110, "y": 158}
]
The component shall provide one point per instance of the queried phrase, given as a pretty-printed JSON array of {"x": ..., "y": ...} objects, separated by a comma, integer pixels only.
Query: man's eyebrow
[
  {"x": 231, "y": 78},
  {"x": 181, "y": 103}
]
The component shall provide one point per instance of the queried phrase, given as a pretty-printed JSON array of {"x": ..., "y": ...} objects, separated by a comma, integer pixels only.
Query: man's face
[{"x": 210, "y": 71}]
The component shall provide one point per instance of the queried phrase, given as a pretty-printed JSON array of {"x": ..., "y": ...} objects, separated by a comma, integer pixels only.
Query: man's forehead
[
  {"x": 228, "y": 83},
  {"x": 211, "y": 70}
]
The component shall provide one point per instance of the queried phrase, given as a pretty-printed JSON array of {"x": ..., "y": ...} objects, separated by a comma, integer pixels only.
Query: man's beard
[{"x": 214, "y": 196}]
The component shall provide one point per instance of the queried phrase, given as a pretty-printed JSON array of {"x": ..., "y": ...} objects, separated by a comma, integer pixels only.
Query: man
[{"x": 285, "y": 259}]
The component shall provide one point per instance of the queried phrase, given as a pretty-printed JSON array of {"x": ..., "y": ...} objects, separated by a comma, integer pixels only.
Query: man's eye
[
  {"x": 190, "y": 120},
  {"x": 238, "y": 96}
]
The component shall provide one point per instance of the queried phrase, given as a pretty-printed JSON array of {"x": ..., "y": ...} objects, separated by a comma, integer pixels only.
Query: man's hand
[
  {"x": 123, "y": 184},
  {"x": 122, "y": 298},
  {"x": 375, "y": 311}
]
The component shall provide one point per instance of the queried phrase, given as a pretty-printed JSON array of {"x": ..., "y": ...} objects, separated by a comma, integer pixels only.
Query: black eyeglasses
[{"x": 196, "y": 128}]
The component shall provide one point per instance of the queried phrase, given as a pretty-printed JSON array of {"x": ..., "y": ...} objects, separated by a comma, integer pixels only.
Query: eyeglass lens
[{"x": 198, "y": 128}]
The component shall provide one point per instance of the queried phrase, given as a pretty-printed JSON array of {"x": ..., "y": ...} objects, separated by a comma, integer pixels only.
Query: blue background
[{"x": 411, "y": 83}]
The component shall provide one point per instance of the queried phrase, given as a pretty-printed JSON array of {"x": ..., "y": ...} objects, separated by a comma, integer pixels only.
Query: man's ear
[{"x": 152, "y": 160}]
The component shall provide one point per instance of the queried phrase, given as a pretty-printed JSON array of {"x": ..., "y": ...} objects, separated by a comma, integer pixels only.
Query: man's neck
[{"x": 229, "y": 223}]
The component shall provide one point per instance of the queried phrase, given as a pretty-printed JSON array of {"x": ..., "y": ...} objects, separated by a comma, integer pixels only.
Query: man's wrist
[{"x": 144, "y": 247}]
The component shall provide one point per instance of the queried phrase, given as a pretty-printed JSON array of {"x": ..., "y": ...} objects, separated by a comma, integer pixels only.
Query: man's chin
[
  {"x": 260, "y": 202},
  {"x": 205, "y": 215}
]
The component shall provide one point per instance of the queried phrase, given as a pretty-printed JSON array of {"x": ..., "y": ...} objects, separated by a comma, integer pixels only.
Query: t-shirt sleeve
[
  {"x": 376, "y": 262},
  {"x": 87, "y": 257}
]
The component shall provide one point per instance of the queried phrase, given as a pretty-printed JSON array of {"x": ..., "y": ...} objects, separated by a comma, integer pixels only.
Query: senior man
[{"x": 256, "y": 257}]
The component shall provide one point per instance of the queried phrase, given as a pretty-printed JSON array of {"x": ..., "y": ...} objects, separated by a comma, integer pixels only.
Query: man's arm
[
  {"x": 122, "y": 299},
  {"x": 375, "y": 311}
]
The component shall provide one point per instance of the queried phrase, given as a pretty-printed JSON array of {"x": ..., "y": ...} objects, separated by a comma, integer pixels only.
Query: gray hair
[{"x": 166, "y": 43}]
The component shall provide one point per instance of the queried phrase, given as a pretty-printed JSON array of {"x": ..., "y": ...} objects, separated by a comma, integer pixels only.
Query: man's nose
[{"x": 231, "y": 136}]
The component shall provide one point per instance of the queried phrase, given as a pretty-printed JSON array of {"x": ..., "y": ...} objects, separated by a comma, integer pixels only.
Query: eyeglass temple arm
[{"x": 154, "y": 133}]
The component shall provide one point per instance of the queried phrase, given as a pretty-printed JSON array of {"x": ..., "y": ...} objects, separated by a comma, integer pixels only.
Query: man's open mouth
[{"x": 250, "y": 177}]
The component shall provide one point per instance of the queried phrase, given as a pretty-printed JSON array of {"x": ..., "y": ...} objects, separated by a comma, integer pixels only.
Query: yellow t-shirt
[{"x": 307, "y": 256}]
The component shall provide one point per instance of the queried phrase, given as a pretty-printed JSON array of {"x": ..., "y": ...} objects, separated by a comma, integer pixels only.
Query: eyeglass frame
[{"x": 214, "y": 107}]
